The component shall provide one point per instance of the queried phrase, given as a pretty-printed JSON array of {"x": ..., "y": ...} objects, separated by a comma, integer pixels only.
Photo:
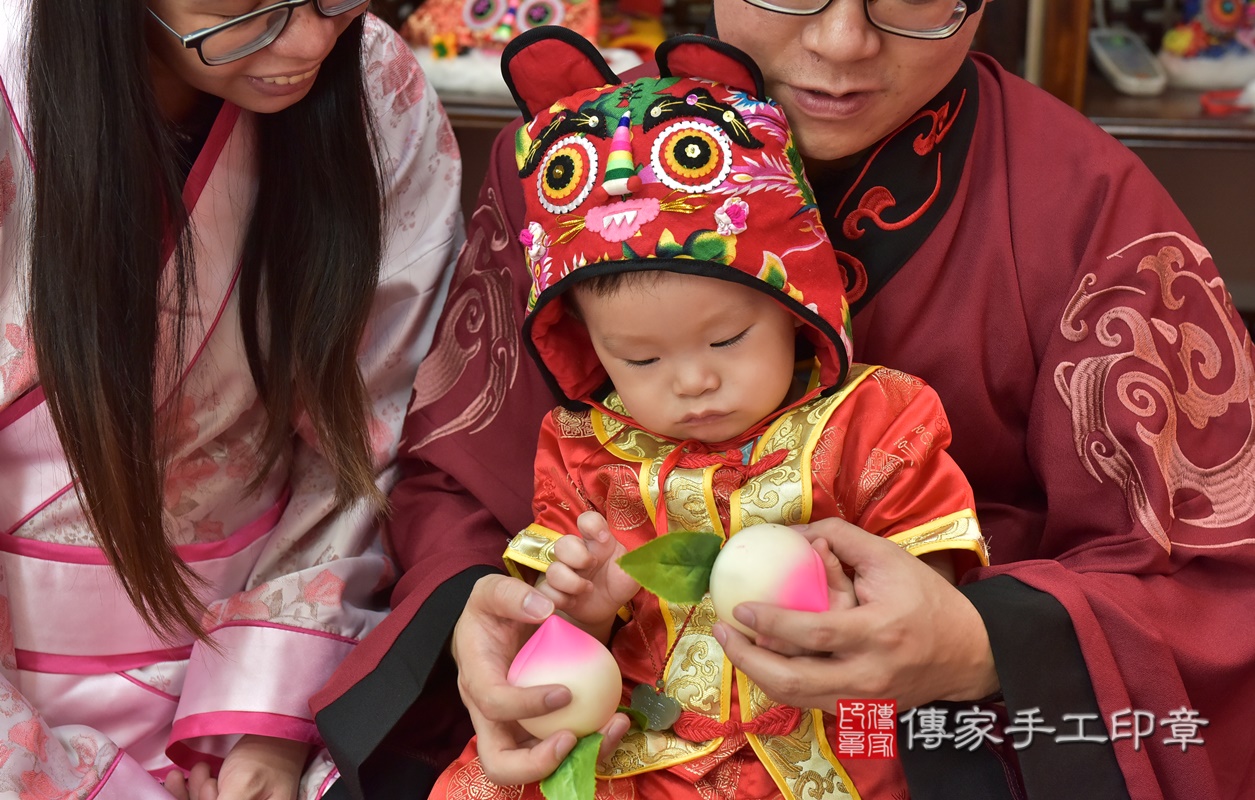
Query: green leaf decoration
[
  {"x": 635, "y": 97},
  {"x": 667, "y": 246},
  {"x": 576, "y": 777},
  {"x": 676, "y": 567},
  {"x": 799, "y": 172},
  {"x": 773, "y": 272},
  {"x": 638, "y": 718},
  {"x": 710, "y": 246}
]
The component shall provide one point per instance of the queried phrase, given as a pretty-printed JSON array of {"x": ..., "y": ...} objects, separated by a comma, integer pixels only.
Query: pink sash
[{"x": 76, "y": 587}]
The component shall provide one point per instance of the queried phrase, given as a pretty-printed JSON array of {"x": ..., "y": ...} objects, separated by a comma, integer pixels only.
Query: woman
[{"x": 219, "y": 276}]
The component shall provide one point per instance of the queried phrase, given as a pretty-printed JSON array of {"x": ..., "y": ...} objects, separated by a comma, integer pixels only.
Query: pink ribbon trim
[
  {"x": 191, "y": 553},
  {"x": 96, "y": 665},
  {"x": 17, "y": 127},
  {"x": 208, "y": 737}
]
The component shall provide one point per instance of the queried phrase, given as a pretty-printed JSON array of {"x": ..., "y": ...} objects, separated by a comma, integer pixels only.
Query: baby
[{"x": 688, "y": 303}]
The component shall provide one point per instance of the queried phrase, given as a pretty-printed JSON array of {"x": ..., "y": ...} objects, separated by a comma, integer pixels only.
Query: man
[{"x": 1102, "y": 395}]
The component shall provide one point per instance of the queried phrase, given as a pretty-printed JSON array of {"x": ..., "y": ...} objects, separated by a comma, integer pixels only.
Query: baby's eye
[
  {"x": 641, "y": 363},
  {"x": 732, "y": 341}
]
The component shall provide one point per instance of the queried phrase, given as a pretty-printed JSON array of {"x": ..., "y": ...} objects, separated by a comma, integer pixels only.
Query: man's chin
[
  {"x": 822, "y": 153},
  {"x": 829, "y": 142}
]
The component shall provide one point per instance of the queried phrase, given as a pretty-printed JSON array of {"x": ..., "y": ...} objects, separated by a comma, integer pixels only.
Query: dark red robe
[{"x": 1102, "y": 395}]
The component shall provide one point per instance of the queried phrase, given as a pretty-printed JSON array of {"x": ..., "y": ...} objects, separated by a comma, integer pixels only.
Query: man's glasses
[
  {"x": 917, "y": 19},
  {"x": 248, "y": 33}
]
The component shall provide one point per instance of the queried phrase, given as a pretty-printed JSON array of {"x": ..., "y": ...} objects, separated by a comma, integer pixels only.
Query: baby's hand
[{"x": 584, "y": 582}]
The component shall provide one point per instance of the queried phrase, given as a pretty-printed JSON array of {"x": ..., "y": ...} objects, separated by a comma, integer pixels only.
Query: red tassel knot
[{"x": 777, "y": 721}]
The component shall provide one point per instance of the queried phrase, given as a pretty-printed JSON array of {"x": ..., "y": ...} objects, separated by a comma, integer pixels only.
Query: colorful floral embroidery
[{"x": 731, "y": 216}]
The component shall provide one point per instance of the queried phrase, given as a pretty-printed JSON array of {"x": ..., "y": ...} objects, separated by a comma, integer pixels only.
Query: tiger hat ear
[
  {"x": 545, "y": 64},
  {"x": 695, "y": 56}
]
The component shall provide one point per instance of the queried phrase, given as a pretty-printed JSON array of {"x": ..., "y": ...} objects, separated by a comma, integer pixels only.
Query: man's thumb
[{"x": 852, "y": 545}]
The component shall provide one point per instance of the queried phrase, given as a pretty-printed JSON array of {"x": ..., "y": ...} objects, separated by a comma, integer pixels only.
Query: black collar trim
[{"x": 883, "y": 208}]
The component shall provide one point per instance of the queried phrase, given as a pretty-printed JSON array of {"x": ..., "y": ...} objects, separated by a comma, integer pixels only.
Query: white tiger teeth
[{"x": 620, "y": 218}]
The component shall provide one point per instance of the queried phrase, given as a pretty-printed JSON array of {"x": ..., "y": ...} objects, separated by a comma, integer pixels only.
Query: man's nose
[{"x": 841, "y": 33}]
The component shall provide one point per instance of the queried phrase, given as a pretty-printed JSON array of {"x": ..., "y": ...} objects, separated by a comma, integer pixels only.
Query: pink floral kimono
[{"x": 92, "y": 704}]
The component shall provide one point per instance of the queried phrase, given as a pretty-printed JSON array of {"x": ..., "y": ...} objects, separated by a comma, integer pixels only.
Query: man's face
[{"x": 843, "y": 84}]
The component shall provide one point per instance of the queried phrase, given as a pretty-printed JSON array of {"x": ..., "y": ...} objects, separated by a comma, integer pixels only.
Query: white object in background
[
  {"x": 1126, "y": 61},
  {"x": 1247, "y": 98},
  {"x": 1231, "y": 70}
]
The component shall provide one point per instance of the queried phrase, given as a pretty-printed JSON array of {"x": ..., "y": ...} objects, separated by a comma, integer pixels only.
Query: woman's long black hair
[{"x": 107, "y": 199}]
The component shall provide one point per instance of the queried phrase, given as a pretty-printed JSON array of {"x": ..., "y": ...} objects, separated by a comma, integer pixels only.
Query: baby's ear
[
  {"x": 693, "y": 56},
  {"x": 546, "y": 64}
]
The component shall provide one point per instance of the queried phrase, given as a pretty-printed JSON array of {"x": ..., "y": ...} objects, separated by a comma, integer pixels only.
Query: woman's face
[{"x": 273, "y": 78}]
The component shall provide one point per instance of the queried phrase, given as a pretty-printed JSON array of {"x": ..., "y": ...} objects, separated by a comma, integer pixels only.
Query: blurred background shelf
[{"x": 1206, "y": 163}]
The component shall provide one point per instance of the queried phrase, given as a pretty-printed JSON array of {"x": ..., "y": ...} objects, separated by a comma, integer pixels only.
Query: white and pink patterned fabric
[{"x": 92, "y": 704}]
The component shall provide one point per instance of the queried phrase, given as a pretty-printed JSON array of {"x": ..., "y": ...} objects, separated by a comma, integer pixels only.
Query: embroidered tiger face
[
  {"x": 662, "y": 167},
  {"x": 691, "y": 170},
  {"x": 614, "y": 159}
]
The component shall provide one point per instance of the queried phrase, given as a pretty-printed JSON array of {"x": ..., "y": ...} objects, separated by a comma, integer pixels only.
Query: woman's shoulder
[
  {"x": 395, "y": 84},
  {"x": 378, "y": 36}
]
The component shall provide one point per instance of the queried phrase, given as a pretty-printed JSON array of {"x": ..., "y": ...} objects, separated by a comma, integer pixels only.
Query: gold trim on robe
[
  {"x": 532, "y": 547},
  {"x": 958, "y": 531}
]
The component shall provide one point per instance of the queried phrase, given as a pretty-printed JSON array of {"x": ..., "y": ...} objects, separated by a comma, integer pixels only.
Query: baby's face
[{"x": 693, "y": 357}]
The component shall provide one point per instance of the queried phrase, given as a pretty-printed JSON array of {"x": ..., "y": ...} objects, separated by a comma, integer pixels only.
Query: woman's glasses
[{"x": 248, "y": 33}]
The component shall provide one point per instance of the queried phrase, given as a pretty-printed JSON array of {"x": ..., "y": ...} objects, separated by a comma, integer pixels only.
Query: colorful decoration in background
[
  {"x": 634, "y": 25},
  {"x": 490, "y": 24},
  {"x": 1214, "y": 46},
  {"x": 444, "y": 45}
]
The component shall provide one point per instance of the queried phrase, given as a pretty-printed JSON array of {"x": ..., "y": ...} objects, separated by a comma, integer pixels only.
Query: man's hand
[
  {"x": 912, "y": 637},
  {"x": 499, "y": 616}
]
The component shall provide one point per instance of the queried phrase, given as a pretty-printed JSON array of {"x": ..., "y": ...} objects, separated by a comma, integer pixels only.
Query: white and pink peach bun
[
  {"x": 560, "y": 653},
  {"x": 767, "y": 563}
]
